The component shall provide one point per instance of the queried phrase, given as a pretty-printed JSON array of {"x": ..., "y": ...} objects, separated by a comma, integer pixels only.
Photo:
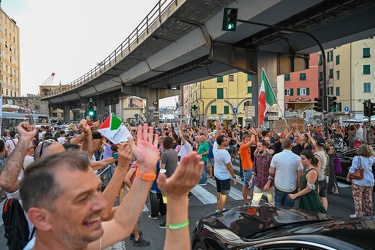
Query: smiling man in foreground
[{"x": 61, "y": 196}]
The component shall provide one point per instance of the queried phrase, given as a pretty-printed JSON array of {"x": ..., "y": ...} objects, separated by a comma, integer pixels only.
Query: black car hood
[{"x": 245, "y": 222}]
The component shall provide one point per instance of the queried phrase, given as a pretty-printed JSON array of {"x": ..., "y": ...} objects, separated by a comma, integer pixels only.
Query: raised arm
[
  {"x": 114, "y": 185},
  {"x": 176, "y": 187},
  {"x": 87, "y": 144},
  {"x": 12, "y": 168},
  {"x": 128, "y": 212}
]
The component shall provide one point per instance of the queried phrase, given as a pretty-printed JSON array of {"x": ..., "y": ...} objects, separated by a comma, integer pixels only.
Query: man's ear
[{"x": 40, "y": 218}]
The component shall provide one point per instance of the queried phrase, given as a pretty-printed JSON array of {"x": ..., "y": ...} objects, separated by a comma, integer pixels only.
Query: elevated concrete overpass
[{"x": 181, "y": 42}]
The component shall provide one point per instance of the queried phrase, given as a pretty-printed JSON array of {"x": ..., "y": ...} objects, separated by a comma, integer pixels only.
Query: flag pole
[{"x": 273, "y": 93}]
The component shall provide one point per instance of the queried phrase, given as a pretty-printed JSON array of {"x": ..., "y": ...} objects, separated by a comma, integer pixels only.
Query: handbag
[
  {"x": 359, "y": 173},
  {"x": 337, "y": 164}
]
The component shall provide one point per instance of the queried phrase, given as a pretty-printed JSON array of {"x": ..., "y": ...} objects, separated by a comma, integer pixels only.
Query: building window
[
  {"x": 367, "y": 87},
  {"x": 337, "y": 59},
  {"x": 338, "y": 107},
  {"x": 320, "y": 92},
  {"x": 320, "y": 76},
  {"x": 231, "y": 78},
  {"x": 213, "y": 110},
  {"x": 330, "y": 73},
  {"x": 303, "y": 91},
  {"x": 302, "y": 76},
  {"x": 220, "y": 93},
  {"x": 226, "y": 109},
  {"x": 249, "y": 77},
  {"x": 249, "y": 89},
  {"x": 330, "y": 91},
  {"x": 337, "y": 74},
  {"x": 329, "y": 56},
  {"x": 287, "y": 77},
  {"x": 288, "y": 92},
  {"x": 366, "y": 53},
  {"x": 219, "y": 79},
  {"x": 337, "y": 91},
  {"x": 6, "y": 92},
  {"x": 320, "y": 59},
  {"x": 366, "y": 69},
  {"x": 247, "y": 103}
]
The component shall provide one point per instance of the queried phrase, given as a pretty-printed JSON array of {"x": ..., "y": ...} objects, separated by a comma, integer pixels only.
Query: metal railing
[{"x": 155, "y": 15}]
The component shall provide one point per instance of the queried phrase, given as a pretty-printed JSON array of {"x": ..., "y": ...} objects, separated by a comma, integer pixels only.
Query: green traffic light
[
  {"x": 230, "y": 26},
  {"x": 91, "y": 113}
]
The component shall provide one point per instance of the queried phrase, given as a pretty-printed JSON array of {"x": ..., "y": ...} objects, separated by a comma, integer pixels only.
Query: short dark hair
[
  {"x": 287, "y": 143},
  {"x": 168, "y": 142},
  {"x": 39, "y": 187},
  {"x": 12, "y": 133},
  {"x": 220, "y": 139}
]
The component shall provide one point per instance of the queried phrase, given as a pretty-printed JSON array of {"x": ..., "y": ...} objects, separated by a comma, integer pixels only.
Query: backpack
[{"x": 16, "y": 226}]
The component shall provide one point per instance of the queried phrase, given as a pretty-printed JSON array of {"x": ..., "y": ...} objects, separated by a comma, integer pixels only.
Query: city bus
[{"x": 12, "y": 119}]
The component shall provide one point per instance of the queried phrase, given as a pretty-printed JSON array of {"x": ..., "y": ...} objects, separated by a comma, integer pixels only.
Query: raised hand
[
  {"x": 146, "y": 149},
  {"x": 84, "y": 127},
  {"x": 124, "y": 155},
  {"x": 185, "y": 177},
  {"x": 26, "y": 131}
]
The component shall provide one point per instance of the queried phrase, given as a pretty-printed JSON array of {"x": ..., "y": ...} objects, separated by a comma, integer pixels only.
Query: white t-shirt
[
  {"x": 286, "y": 164},
  {"x": 185, "y": 149},
  {"x": 222, "y": 157}
]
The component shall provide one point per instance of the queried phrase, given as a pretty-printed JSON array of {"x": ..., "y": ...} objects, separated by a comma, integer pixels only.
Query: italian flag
[
  {"x": 266, "y": 98},
  {"x": 114, "y": 130}
]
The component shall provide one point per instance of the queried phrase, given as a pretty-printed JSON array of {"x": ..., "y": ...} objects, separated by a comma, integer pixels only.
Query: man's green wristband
[{"x": 178, "y": 226}]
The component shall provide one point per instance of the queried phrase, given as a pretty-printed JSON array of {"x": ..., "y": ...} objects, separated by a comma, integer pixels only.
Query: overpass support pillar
[
  {"x": 252, "y": 62},
  {"x": 66, "y": 113},
  {"x": 100, "y": 109},
  {"x": 152, "y": 97}
]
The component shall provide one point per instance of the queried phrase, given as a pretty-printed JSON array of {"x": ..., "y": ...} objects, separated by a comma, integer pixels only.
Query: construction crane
[
  {"x": 46, "y": 87},
  {"x": 49, "y": 80}
]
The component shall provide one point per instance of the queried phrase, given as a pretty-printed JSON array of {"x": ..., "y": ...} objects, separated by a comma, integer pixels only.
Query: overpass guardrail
[{"x": 119, "y": 53}]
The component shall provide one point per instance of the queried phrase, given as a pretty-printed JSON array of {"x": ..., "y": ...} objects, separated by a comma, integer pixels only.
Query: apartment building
[
  {"x": 9, "y": 56},
  {"x": 351, "y": 78},
  {"x": 224, "y": 97}
]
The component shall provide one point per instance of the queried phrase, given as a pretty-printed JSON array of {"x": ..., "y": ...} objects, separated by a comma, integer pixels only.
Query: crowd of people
[{"x": 53, "y": 175}]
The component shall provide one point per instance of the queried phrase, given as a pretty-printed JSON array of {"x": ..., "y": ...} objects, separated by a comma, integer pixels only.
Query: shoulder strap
[{"x": 13, "y": 142}]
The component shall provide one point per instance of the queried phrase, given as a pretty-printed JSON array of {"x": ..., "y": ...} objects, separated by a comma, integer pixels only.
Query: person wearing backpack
[{"x": 11, "y": 143}]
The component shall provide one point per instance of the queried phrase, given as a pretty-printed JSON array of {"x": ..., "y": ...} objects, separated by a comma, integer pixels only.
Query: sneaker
[
  {"x": 153, "y": 218},
  {"x": 119, "y": 246},
  {"x": 203, "y": 184},
  {"x": 141, "y": 242},
  {"x": 131, "y": 237},
  {"x": 190, "y": 195},
  {"x": 163, "y": 225}
]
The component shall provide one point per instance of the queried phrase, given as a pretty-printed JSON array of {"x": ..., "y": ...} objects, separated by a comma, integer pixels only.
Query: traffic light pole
[{"x": 324, "y": 96}]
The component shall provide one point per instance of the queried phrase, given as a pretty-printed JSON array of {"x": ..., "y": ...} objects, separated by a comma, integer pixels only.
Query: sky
[{"x": 70, "y": 37}]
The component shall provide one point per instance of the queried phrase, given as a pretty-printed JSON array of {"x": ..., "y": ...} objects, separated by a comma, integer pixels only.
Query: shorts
[
  {"x": 210, "y": 161},
  {"x": 323, "y": 188},
  {"x": 246, "y": 178},
  {"x": 223, "y": 186}
]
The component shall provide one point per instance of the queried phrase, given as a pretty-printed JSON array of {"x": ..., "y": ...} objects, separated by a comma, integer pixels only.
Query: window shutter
[
  {"x": 298, "y": 91},
  {"x": 291, "y": 92},
  {"x": 307, "y": 91}
]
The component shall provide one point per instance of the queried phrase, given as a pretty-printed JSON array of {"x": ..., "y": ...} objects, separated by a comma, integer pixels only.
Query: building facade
[
  {"x": 351, "y": 78},
  {"x": 9, "y": 56},
  {"x": 225, "y": 98},
  {"x": 301, "y": 87}
]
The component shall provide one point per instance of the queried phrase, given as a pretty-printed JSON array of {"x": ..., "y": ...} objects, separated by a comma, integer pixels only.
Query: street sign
[
  {"x": 346, "y": 109},
  {"x": 250, "y": 111},
  {"x": 235, "y": 110}
]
